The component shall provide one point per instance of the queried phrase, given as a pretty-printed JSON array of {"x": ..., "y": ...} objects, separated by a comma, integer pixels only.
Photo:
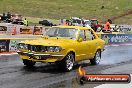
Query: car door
[
  {"x": 81, "y": 46},
  {"x": 91, "y": 43}
]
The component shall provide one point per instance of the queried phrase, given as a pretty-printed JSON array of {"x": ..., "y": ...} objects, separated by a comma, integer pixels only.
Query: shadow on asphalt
[{"x": 51, "y": 68}]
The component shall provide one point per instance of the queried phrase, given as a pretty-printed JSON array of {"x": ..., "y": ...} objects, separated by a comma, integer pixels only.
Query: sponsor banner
[
  {"x": 125, "y": 28},
  {"x": 38, "y": 30},
  {"x": 3, "y": 29},
  {"x": 10, "y": 45},
  {"x": 18, "y": 29},
  {"x": 35, "y": 30},
  {"x": 4, "y": 45},
  {"x": 13, "y": 45},
  {"x": 8, "y": 28},
  {"x": 117, "y": 38},
  {"x": 26, "y": 30}
]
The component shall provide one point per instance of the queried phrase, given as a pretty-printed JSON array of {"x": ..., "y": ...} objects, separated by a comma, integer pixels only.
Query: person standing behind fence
[
  {"x": 8, "y": 17},
  {"x": 107, "y": 25},
  {"x": 25, "y": 22},
  {"x": 3, "y": 17}
]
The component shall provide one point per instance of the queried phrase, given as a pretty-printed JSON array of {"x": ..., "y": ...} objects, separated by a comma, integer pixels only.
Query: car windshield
[
  {"x": 94, "y": 21},
  {"x": 88, "y": 22},
  {"x": 76, "y": 21},
  {"x": 62, "y": 32}
]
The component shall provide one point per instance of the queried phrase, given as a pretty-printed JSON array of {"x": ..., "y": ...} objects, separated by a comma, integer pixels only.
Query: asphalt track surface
[{"x": 13, "y": 74}]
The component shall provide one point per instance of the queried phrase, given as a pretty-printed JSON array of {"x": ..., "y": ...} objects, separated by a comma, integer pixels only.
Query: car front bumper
[{"x": 41, "y": 57}]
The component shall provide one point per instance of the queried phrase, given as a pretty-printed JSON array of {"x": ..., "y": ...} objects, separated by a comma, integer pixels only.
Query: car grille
[{"x": 37, "y": 48}]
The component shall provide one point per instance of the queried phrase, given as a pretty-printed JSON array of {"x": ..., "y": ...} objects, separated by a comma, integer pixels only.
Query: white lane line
[
  {"x": 126, "y": 44},
  {"x": 6, "y": 54},
  {"x": 129, "y": 85}
]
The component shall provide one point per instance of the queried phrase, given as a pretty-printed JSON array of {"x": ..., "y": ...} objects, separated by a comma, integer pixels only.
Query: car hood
[{"x": 50, "y": 41}]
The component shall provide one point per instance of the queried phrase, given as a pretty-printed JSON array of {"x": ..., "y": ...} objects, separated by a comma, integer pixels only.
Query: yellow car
[{"x": 64, "y": 45}]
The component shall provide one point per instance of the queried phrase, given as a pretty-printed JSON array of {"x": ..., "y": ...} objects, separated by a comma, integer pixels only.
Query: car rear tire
[
  {"x": 96, "y": 58},
  {"x": 28, "y": 63},
  {"x": 67, "y": 63}
]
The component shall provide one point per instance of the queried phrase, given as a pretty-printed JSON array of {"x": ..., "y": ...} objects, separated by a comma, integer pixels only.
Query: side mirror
[{"x": 80, "y": 39}]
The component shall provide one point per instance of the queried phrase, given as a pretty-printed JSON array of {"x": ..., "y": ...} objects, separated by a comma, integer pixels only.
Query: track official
[{"x": 25, "y": 22}]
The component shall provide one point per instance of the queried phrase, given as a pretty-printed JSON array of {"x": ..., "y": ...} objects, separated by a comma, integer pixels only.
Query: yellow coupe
[{"x": 64, "y": 45}]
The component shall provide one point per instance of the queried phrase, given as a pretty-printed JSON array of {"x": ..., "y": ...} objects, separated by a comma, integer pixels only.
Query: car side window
[
  {"x": 89, "y": 35},
  {"x": 82, "y": 35},
  {"x": 51, "y": 33}
]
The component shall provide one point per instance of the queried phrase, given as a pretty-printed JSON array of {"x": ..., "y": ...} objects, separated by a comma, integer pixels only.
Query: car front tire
[
  {"x": 68, "y": 62},
  {"x": 96, "y": 58},
  {"x": 28, "y": 63}
]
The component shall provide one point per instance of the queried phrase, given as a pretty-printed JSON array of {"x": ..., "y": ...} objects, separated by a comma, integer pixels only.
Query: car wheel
[
  {"x": 28, "y": 63},
  {"x": 68, "y": 62},
  {"x": 96, "y": 58}
]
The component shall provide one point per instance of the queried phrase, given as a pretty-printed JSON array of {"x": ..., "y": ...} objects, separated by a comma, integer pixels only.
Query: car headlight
[
  {"x": 26, "y": 46},
  {"x": 57, "y": 49},
  {"x": 22, "y": 46},
  {"x": 50, "y": 49},
  {"x": 54, "y": 49}
]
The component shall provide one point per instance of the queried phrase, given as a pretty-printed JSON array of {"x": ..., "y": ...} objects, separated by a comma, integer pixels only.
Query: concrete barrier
[{"x": 116, "y": 38}]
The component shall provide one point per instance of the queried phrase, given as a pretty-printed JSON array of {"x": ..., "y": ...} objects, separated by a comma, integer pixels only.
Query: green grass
[
  {"x": 56, "y": 9},
  {"x": 35, "y": 20},
  {"x": 124, "y": 20}
]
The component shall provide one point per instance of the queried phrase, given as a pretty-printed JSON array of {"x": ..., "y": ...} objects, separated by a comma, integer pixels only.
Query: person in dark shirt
[
  {"x": 3, "y": 17},
  {"x": 8, "y": 17}
]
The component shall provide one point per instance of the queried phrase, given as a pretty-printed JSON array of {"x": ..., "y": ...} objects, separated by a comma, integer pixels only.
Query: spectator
[
  {"x": 67, "y": 22},
  {"x": 107, "y": 25},
  {"x": 93, "y": 26},
  {"x": 3, "y": 17},
  {"x": 25, "y": 22},
  {"x": 8, "y": 17},
  {"x": 110, "y": 21}
]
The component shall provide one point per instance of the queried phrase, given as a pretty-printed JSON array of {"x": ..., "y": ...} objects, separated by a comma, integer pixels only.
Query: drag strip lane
[{"x": 13, "y": 74}]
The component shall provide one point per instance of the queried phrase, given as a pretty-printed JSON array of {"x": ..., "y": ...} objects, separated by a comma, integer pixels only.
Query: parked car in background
[
  {"x": 95, "y": 25},
  {"x": 76, "y": 21},
  {"x": 4, "y": 18},
  {"x": 17, "y": 19},
  {"x": 46, "y": 23},
  {"x": 64, "y": 45},
  {"x": 87, "y": 23}
]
